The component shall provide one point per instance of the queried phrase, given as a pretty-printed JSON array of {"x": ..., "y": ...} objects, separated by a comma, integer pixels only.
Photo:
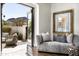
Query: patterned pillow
[{"x": 60, "y": 38}]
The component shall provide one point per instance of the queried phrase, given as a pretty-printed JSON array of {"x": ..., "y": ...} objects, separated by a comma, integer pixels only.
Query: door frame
[{"x": 33, "y": 26}]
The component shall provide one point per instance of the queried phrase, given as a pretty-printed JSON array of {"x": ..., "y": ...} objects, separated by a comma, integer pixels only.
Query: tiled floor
[{"x": 19, "y": 50}]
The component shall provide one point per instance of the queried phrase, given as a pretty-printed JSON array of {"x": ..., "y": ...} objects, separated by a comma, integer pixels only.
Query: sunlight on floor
[{"x": 19, "y": 50}]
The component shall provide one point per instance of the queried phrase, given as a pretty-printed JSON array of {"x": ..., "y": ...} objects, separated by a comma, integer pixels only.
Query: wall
[
  {"x": 44, "y": 17},
  {"x": 0, "y": 28},
  {"x": 55, "y": 7}
]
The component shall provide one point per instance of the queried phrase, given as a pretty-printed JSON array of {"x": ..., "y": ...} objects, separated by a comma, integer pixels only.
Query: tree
[{"x": 30, "y": 25}]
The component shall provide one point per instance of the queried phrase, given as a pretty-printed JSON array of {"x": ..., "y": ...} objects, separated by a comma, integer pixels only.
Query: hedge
[{"x": 6, "y": 29}]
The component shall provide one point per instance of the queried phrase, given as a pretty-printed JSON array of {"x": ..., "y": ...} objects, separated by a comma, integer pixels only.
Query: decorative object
[
  {"x": 63, "y": 22},
  {"x": 73, "y": 51},
  {"x": 11, "y": 40}
]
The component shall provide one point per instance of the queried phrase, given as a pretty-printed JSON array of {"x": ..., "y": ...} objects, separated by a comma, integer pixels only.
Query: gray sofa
[{"x": 56, "y": 46}]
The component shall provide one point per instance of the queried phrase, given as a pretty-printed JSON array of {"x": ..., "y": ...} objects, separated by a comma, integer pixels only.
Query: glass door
[
  {"x": 30, "y": 26},
  {"x": 20, "y": 21}
]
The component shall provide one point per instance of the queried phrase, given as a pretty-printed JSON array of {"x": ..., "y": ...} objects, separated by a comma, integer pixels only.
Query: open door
[{"x": 28, "y": 24}]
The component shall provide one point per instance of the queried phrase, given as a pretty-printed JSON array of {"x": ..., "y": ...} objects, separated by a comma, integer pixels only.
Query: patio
[{"x": 19, "y": 50}]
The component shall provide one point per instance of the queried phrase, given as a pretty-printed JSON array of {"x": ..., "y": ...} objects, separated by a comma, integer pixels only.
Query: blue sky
[{"x": 13, "y": 10}]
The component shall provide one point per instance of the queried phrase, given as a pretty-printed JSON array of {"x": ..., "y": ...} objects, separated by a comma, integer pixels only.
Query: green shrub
[{"x": 6, "y": 29}]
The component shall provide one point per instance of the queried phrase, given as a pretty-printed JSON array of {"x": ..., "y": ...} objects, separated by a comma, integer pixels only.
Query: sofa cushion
[
  {"x": 64, "y": 47},
  {"x": 46, "y": 37},
  {"x": 52, "y": 46},
  {"x": 42, "y": 47},
  {"x": 60, "y": 38},
  {"x": 57, "y": 47}
]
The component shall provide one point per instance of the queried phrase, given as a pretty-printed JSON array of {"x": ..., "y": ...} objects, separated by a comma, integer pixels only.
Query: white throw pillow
[
  {"x": 46, "y": 37},
  {"x": 69, "y": 38}
]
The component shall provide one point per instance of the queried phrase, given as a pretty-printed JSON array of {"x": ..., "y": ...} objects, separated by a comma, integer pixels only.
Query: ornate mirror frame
[{"x": 69, "y": 15}]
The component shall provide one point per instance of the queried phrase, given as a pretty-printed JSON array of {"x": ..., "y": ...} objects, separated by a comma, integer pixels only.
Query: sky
[{"x": 13, "y": 10}]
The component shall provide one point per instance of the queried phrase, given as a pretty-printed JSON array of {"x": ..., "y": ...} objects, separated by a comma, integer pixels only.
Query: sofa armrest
[
  {"x": 76, "y": 40},
  {"x": 39, "y": 39}
]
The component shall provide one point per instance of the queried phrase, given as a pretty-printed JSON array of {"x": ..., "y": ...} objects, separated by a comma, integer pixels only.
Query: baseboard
[{"x": 53, "y": 53}]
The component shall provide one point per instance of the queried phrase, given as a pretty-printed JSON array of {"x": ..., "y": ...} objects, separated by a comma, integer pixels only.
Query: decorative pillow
[
  {"x": 46, "y": 37},
  {"x": 39, "y": 39},
  {"x": 69, "y": 38},
  {"x": 60, "y": 38}
]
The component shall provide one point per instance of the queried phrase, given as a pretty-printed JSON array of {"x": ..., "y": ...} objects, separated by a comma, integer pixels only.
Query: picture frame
[{"x": 63, "y": 21}]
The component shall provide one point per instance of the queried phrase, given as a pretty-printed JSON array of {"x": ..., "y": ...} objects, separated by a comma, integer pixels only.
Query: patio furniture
[
  {"x": 4, "y": 35},
  {"x": 11, "y": 40}
]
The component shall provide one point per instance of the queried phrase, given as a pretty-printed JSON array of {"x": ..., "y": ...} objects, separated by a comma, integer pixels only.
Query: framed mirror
[{"x": 63, "y": 22}]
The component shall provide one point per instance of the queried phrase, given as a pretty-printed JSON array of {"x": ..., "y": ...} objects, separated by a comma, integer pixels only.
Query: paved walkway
[{"x": 19, "y": 50}]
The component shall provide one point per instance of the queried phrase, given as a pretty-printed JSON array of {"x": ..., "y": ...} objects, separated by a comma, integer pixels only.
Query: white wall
[
  {"x": 55, "y": 7},
  {"x": 0, "y": 29},
  {"x": 44, "y": 17}
]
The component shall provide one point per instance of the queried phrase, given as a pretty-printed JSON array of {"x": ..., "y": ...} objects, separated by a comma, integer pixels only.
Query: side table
[{"x": 73, "y": 51}]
